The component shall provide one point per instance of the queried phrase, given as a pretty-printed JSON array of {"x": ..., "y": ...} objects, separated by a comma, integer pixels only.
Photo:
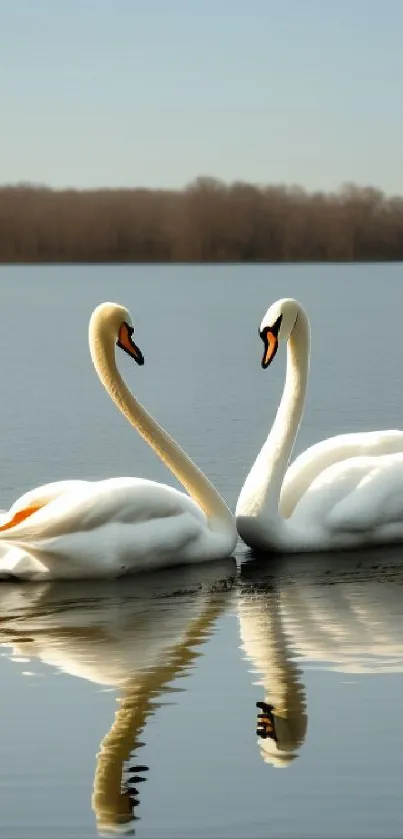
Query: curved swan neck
[
  {"x": 102, "y": 348},
  {"x": 282, "y": 436},
  {"x": 261, "y": 491}
]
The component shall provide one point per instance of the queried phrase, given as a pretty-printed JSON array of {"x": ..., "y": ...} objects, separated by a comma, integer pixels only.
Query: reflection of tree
[{"x": 282, "y": 718}]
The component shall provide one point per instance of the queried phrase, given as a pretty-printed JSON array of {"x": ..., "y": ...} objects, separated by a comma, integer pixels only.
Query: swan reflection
[
  {"x": 282, "y": 718},
  {"x": 345, "y": 616},
  {"x": 135, "y": 635},
  {"x": 349, "y": 616}
]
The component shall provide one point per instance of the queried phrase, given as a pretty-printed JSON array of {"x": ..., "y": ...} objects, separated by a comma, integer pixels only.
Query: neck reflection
[
  {"x": 344, "y": 615},
  {"x": 281, "y": 718},
  {"x": 136, "y": 636}
]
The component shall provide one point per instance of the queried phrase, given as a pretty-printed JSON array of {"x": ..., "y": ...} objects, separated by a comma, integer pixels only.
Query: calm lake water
[{"x": 163, "y": 671}]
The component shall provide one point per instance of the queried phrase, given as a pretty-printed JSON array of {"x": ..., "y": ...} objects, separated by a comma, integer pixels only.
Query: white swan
[
  {"x": 346, "y": 491},
  {"x": 135, "y": 636},
  {"x": 115, "y": 526}
]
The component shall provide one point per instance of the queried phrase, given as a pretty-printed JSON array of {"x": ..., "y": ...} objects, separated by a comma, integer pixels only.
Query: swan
[
  {"x": 133, "y": 636},
  {"x": 344, "y": 492},
  {"x": 111, "y": 527}
]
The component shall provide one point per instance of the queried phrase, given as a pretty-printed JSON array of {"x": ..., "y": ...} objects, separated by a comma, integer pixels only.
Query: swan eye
[
  {"x": 126, "y": 343},
  {"x": 269, "y": 336}
]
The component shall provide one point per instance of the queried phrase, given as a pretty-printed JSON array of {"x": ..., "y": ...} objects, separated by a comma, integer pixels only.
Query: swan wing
[
  {"x": 359, "y": 497},
  {"x": 319, "y": 457},
  {"x": 43, "y": 495},
  {"x": 105, "y": 529},
  {"x": 88, "y": 506}
]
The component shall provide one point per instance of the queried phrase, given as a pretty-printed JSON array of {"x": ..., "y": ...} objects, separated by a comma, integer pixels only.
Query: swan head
[
  {"x": 116, "y": 320},
  {"x": 276, "y": 326}
]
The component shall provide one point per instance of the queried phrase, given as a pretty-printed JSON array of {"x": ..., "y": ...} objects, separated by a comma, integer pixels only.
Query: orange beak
[
  {"x": 269, "y": 336},
  {"x": 126, "y": 343},
  {"x": 270, "y": 341}
]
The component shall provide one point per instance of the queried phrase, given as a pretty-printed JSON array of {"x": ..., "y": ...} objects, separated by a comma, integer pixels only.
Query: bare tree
[{"x": 208, "y": 221}]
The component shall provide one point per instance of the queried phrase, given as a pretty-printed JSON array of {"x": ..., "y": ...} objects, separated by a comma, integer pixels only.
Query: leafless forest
[{"x": 208, "y": 221}]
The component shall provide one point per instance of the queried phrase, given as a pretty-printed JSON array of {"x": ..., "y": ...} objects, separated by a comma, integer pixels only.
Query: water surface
[{"x": 177, "y": 661}]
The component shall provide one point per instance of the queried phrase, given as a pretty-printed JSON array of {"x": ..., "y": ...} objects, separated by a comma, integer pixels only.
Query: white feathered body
[
  {"x": 344, "y": 492},
  {"x": 104, "y": 528}
]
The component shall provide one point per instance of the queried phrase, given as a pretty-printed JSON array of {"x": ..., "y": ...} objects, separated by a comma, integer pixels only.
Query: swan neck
[
  {"x": 261, "y": 491},
  {"x": 102, "y": 348},
  {"x": 283, "y": 434}
]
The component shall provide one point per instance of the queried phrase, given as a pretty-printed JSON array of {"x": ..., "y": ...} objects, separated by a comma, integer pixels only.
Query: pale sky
[{"x": 158, "y": 92}]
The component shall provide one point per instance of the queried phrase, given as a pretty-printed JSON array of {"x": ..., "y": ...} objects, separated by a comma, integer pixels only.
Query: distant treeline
[{"x": 208, "y": 221}]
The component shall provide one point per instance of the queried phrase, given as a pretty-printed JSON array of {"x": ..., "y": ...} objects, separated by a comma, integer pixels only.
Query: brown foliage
[{"x": 206, "y": 222}]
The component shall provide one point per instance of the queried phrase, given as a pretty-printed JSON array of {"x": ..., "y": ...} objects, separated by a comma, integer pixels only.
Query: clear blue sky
[{"x": 157, "y": 92}]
